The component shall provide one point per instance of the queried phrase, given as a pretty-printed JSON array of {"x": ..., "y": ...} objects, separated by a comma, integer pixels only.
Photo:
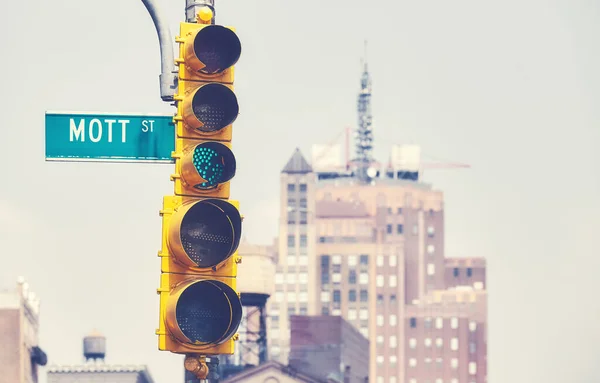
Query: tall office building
[
  {"x": 20, "y": 354},
  {"x": 373, "y": 253}
]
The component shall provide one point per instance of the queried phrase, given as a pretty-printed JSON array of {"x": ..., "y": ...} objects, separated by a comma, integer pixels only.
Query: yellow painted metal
[
  {"x": 178, "y": 271},
  {"x": 170, "y": 338},
  {"x": 173, "y": 258},
  {"x": 204, "y": 16}
]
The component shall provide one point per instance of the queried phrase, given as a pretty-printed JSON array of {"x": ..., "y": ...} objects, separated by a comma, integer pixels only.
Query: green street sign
[{"x": 75, "y": 136}]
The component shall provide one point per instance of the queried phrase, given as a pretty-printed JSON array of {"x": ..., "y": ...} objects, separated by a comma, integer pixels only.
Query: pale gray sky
[{"x": 511, "y": 87}]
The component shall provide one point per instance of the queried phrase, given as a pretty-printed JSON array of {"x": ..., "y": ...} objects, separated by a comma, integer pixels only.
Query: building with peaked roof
[
  {"x": 273, "y": 372},
  {"x": 373, "y": 253}
]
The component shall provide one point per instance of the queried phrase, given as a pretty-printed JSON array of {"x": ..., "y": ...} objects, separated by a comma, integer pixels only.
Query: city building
[
  {"x": 20, "y": 354},
  {"x": 95, "y": 370},
  {"x": 255, "y": 284},
  {"x": 329, "y": 347},
  {"x": 365, "y": 241},
  {"x": 273, "y": 372}
]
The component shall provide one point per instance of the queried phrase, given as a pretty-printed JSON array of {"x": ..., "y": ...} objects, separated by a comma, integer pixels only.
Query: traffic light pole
[
  {"x": 168, "y": 77},
  {"x": 199, "y": 369}
]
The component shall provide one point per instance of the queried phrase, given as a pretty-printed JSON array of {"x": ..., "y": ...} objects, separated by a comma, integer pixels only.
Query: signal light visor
[
  {"x": 205, "y": 233},
  {"x": 203, "y": 312}
]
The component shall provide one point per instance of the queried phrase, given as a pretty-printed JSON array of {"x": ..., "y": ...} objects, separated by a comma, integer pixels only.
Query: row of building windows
[
  {"x": 292, "y": 188},
  {"x": 336, "y": 278},
  {"x": 439, "y": 342},
  {"x": 393, "y": 379},
  {"x": 336, "y": 259},
  {"x": 292, "y": 240},
  {"x": 438, "y": 380},
  {"x": 439, "y": 323},
  {"x": 456, "y": 272},
  {"x": 412, "y": 362}
]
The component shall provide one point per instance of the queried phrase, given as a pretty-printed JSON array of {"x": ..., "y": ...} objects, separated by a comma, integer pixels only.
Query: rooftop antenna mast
[{"x": 364, "y": 132}]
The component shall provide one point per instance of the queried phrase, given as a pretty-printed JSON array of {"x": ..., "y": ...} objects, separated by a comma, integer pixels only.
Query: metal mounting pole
[
  {"x": 168, "y": 77},
  {"x": 192, "y": 7},
  {"x": 200, "y": 369}
]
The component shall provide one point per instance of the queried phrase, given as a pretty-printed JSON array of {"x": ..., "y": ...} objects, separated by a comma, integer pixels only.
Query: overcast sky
[{"x": 510, "y": 87}]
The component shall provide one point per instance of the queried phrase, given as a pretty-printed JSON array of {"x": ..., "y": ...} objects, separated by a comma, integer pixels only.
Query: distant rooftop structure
[
  {"x": 297, "y": 164},
  {"x": 95, "y": 369}
]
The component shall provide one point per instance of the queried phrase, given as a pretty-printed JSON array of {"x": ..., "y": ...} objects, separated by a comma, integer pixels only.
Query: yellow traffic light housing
[{"x": 200, "y": 308}]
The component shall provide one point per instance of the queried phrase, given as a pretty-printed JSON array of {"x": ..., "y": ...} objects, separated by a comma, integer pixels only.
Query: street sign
[{"x": 77, "y": 136}]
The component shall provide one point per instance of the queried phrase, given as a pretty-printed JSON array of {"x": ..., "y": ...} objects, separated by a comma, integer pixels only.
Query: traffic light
[{"x": 200, "y": 308}]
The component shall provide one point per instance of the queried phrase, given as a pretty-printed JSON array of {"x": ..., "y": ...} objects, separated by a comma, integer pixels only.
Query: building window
[
  {"x": 456, "y": 272},
  {"x": 303, "y": 218},
  {"x": 364, "y": 259},
  {"x": 412, "y": 343},
  {"x": 278, "y": 278},
  {"x": 389, "y": 229},
  {"x": 415, "y": 230},
  {"x": 336, "y": 259},
  {"x": 430, "y": 269},
  {"x": 430, "y": 231},
  {"x": 439, "y": 342},
  {"x": 364, "y": 278},
  {"x": 454, "y": 363},
  {"x": 364, "y": 295},
  {"x": 413, "y": 322},
  {"x": 352, "y": 260},
  {"x": 363, "y": 314},
  {"x": 394, "y": 341},
  {"x": 439, "y": 363},
  {"x": 472, "y": 368},
  {"x": 365, "y": 332},
  {"x": 454, "y": 322},
  {"x": 291, "y": 241},
  {"x": 393, "y": 281},
  {"x": 337, "y": 296},
  {"x": 380, "y": 260},
  {"x": 439, "y": 380},
  {"x": 352, "y": 295},
  {"x": 428, "y": 322},
  {"x": 303, "y": 187},
  {"x": 393, "y": 361},
  {"x": 352, "y": 276},
  {"x": 399, "y": 210},
  {"x": 469, "y": 272},
  {"x": 393, "y": 299},
  {"x": 393, "y": 320},
  {"x": 380, "y": 281},
  {"x": 325, "y": 311},
  {"x": 324, "y": 278},
  {"x": 303, "y": 297},
  {"x": 393, "y": 260},
  {"x": 380, "y": 361},
  {"x": 351, "y": 314},
  {"x": 325, "y": 296},
  {"x": 412, "y": 362},
  {"x": 303, "y": 240},
  {"x": 291, "y": 309},
  {"x": 439, "y": 323},
  {"x": 399, "y": 229},
  {"x": 303, "y": 260},
  {"x": 430, "y": 249},
  {"x": 379, "y": 320},
  {"x": 336, "y": 278},
  {"x": 303, "y": 202},
  {"x": 472, "y": 347},
  {"x": 291, "y": 203},
  {"x": 472, "y": 326},
  {"x": 427, "y": 342},
  {"x": 379, "y": 299},
  {"x": 454, "y": 344},
  {"x": 303, "y": 310},
  {"x": 291, "y": 187}
]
